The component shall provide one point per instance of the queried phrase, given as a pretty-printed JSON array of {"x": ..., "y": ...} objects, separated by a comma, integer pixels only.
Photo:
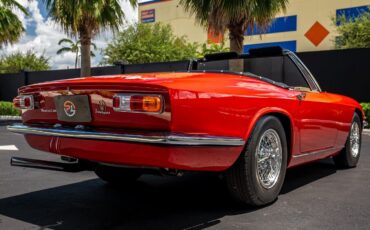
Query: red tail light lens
[
  {"x": 27, "y": 102},
  {"x": 116, "y": 102},
  {"x": 138, "y": 103},
  {"x": 24, "y": 102}
]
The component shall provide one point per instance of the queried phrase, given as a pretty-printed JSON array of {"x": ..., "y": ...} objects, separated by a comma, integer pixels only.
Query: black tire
[
  {"x": 116, "y": 175},
  {"x": 242, "y": 178},
  {"x": 345, "y": 158}
]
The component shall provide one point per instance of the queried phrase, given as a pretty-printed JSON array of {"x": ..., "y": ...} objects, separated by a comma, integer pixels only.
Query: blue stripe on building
[
  {"x": 278, "y": 25},
  {"x": 290, "y": 45},
  {"x": 149, "y": 2},
  {"x": 351, "y": 13}
]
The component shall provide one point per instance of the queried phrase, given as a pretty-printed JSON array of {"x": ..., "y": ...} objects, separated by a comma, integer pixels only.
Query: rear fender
[{"x": 271, "y": 111}]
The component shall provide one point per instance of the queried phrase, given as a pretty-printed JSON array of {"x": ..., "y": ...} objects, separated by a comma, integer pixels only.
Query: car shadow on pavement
[
  {"x": 190, "y": 202},
  {"x": 304, "y": 174}
]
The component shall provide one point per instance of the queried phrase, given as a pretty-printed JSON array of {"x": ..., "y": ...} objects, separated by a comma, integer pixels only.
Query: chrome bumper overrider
[{"x": 167, "y": 139}]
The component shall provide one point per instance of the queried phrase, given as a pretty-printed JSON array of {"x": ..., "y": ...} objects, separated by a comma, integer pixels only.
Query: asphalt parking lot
[{"x": 315, "y": 196}]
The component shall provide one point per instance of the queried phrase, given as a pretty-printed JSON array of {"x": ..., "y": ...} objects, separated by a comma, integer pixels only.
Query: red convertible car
[{"x": 249, "y": 117}]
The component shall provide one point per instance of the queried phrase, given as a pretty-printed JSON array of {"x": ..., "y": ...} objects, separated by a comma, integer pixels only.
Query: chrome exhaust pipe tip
[{"x": 49, "y": 165}]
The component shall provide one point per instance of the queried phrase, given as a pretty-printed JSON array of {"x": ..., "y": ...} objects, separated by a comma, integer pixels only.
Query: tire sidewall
[
  {"x": 352, "y": 161},
  {"x": 265, "y": 195}
]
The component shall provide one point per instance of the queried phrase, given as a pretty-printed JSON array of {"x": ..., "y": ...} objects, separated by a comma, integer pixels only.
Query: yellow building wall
[
  {"x": 170, "y": 12},
  {"x": 308, "y": 12}
]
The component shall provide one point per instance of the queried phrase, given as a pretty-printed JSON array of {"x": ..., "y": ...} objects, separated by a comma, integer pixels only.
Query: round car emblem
[{"x": 69, "y": 108}]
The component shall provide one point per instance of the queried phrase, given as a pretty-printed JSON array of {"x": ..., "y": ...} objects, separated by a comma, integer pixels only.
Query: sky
[{"x": 42, "y": 35}]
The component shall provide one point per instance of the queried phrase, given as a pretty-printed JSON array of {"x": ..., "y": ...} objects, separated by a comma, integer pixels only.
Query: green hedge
[
  {"x": 6, "y": 108},
  {"x": 366, "y": 108}
]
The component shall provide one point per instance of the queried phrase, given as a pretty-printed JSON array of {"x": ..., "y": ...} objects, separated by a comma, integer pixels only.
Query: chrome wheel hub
[
  {"x": 354, "y": 139},
  {"x": 269, "y": 158}
]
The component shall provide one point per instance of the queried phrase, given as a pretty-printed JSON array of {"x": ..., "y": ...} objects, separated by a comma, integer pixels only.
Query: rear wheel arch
[
  {"x": 244, "y": 179},
  {"x": 285, "y": 120},
  {"x": 361, "y": 116},
  {"x": 288, "y": 128}
]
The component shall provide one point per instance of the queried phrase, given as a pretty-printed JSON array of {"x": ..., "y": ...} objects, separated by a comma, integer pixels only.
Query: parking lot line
[{"x": 9, "y": 147}]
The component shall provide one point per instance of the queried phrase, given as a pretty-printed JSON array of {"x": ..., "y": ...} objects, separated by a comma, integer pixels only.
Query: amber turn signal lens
[
  {"x": 17, "y": 103},
  {"x": 141, "y": 103}
]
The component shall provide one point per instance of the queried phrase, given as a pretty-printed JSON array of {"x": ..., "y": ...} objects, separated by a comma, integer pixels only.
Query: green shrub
[
  {"x": 353, "y": 32},
  {"x": 6, "y": 108},
  {"x": 151, "y": 42},
  {"x": 366, "y": 108}
]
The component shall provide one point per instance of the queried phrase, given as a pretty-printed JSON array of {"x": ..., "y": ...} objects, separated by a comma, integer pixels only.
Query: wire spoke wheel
[
  {"x": 348, "y": 157},
  {"x": 258, "y": 175},
  {"x": 354, "y": 139},
  {"x": 269, "y": 158}
]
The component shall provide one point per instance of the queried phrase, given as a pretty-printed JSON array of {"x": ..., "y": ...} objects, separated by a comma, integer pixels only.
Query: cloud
[{"x": 43, "y": 35}]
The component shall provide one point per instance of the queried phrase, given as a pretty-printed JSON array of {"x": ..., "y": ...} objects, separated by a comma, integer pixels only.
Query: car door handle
[{"x": 301, "y": 96}]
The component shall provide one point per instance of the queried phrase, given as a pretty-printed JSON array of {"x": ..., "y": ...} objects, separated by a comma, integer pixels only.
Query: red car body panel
[
  {"x": 210, "y": 104},
  {"x": 141, "y": 155}
]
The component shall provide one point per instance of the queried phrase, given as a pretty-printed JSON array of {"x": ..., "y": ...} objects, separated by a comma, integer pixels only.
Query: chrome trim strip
[
  {"x": 167, "y": 139},
  {"x": 317, "y": 152}
]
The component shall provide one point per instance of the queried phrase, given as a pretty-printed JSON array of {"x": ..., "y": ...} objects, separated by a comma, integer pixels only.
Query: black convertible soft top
[{"x": 258, "y": 52}]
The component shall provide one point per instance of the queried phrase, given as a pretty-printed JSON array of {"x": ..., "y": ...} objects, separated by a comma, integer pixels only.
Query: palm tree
[
  {"x": 73, "y": 47},
  {"x": 11, "y": 27},
  {"x": 85, "y": 19},
  {"x": 234, "y": 15}
]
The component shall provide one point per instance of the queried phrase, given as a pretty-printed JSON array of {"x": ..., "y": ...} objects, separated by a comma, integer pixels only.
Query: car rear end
[{"x": 117, "y": 120}]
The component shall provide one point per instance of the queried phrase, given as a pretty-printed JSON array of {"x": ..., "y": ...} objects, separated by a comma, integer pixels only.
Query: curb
[{"x": 7, "y": 120}]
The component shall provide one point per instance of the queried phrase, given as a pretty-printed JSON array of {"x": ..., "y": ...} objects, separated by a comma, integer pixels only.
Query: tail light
[
  {"x": 24, "y": 102},
  {"x": 139, "y": 103}
]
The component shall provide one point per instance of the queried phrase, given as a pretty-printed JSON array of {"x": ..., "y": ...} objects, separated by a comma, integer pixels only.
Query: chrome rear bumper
[{"x": 166, "y": 139}]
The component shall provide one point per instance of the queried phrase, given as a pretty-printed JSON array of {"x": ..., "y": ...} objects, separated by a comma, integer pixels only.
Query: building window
[{"x": 148, "y": 16}]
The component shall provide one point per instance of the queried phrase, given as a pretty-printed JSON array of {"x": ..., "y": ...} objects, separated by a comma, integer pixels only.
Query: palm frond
[
  {"x": 11, "y": 27},
  {"x": 64, "y": 50},
  {"x": 94, "y": 46},
  {"x": 77, "y": 15},
  {"x": 13, "y": 4},
  {"x": 224, "y": 13},
  {"x": 65, "y": 40},
  {"x": 235, "y": 15}
]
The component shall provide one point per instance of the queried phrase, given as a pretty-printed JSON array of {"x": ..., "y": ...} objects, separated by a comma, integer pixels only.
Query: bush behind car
[
  {"x": 366, "y": 108},
  {"x": 6, "y": 108}
]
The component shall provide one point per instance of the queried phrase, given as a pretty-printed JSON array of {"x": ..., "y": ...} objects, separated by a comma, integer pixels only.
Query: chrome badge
[
  {"x": 69, "y": 108},
  {"x": 102, "y": 108}
]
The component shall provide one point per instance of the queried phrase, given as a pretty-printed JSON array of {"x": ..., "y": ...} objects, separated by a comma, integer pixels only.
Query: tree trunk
[
  {"x": 85, "y": 38},
  {"x": 76, "y": 61},
  {"x": 236, "y": 36}
]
